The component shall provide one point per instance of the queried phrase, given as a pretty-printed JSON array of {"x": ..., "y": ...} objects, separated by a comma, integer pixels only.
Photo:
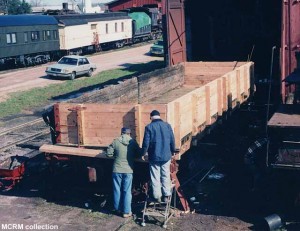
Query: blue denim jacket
[{"x": 158, "y": 141}]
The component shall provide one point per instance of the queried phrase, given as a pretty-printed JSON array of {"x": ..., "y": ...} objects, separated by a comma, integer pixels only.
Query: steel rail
[
  {"x": 21, "y": 126},
  {"x": 43, "y": 132}
]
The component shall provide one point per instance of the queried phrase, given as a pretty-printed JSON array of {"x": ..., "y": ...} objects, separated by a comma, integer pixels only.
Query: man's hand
[{"x": 145, "y": 158}]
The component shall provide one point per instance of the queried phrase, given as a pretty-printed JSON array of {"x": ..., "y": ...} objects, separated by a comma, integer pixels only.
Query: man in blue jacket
[{"x": 159, "y": 142}]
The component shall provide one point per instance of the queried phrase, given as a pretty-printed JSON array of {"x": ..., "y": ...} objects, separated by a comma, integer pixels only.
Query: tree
[
  {"x": 36, "y": 3},
  {"x": 3, "y": 6},
  {"x": 18, "y": 7}
]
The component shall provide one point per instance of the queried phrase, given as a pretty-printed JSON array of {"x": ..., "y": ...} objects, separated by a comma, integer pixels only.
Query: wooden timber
[
  {"x": 287, "y": 115},
  {"x": 209, "y": 89},
  {"x": 74, "y": 151}
]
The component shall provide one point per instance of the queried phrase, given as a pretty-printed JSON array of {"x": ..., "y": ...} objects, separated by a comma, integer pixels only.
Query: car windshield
[
  {"x": 159, "y": 42},
  {"x": 69, "y": 61}
]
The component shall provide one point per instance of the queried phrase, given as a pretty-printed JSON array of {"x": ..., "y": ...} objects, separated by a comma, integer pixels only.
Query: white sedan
[{"x": 71, "y": 66}]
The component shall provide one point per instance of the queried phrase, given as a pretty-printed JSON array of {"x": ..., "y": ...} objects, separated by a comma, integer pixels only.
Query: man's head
[
  {"x": 125, "y": 131},
  {"x": 154, "y": 115}
]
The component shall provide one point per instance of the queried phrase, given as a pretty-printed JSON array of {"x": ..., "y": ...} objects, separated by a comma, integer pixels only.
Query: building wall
[{"x": 123, "y": 4}]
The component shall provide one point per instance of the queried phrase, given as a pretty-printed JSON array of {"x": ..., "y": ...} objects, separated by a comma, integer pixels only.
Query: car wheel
[
  {"x": 73, "y": 75},
  {"x": 90, "y": 73}
]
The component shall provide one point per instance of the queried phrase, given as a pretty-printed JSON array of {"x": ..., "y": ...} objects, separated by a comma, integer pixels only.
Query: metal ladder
[{"x": 158, "y": 209}]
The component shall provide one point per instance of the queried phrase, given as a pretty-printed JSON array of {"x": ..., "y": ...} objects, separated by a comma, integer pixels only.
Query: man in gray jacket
[
  {"x": 159, "y": 142},
  {"x": 124, "y": 149}
]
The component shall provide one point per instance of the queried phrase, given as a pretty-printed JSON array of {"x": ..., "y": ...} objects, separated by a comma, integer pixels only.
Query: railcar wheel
[
  {"x": 90, "y": 73},
  {"x": 73, "y": 75}
]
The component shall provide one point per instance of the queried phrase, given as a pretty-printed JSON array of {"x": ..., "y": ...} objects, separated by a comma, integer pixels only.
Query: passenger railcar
[
  {"x": 91, "y": 32},
  {"x": 27, "y": 39}
]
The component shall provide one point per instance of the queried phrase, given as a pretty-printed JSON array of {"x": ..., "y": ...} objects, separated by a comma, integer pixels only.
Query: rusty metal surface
[
  {"x": 175, "y": 24},
  {"x": 57, "y": 122},
  {"x": 290, "y": 39},
  {"x": 181, "y": 196},
  {"x": 123, "y": 4},
  {"x": 287, "y": 116}
]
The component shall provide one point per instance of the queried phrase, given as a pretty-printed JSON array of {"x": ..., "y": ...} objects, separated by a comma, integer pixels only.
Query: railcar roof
[
  {"x": 78, "y": 19},
  {"x": 26, "y": 20}
]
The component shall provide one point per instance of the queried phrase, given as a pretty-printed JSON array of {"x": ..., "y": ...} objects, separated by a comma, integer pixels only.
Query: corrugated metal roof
[
  {"x": 26, "y": 20},
  {"x": 79, "y": 19}
]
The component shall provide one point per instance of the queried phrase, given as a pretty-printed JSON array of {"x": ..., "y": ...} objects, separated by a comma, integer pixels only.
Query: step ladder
[{"x": 158, "y": 209}]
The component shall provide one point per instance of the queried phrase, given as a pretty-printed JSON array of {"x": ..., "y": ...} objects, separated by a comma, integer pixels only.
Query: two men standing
[{"x": 159, "y": 143}]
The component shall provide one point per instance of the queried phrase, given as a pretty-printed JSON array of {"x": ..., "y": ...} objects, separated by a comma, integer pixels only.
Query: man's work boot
[{"x": 126, "y": 215}]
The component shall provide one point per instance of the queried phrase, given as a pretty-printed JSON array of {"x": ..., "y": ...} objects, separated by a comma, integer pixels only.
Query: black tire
[
  {"x": 90, "y": 72},
  {"x": 73, "y": 75}
]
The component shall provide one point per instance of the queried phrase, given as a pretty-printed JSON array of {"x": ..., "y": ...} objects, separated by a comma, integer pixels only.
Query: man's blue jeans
[
  {"x": 122, "y": 183},
  {"x": 160, "y": 178}
]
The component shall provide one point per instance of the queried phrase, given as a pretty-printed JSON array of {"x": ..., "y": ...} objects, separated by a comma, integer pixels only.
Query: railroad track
[{"x": 22, "y": 133}]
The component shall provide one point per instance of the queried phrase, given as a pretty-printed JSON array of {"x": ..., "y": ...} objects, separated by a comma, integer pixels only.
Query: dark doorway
[{"x": 230, "y": 30}]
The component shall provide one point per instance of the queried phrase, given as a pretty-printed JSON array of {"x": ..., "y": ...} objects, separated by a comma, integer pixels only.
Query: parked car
[
  {"x": 71, "y": 66},
  {"x": 157, "y": 48}
]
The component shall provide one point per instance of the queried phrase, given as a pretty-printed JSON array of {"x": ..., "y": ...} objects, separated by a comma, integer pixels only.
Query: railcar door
[
  {"x": 290, "y": 39},
  {"x": 175, "y": 49}
]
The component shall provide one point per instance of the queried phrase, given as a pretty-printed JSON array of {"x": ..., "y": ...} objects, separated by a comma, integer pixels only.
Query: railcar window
[
  {"x": 116, "y": 27},
  {"x": 94, "y": 26},
  {"x": 122, "y": 26},
  {"x": 46, "y": 35},
  {"x": 35, "y": 35},
  {"x": 55, "y": 34},
  {"x": 106, "y": 27},
  {"x": 25, "y": 37},
  {"x": 11, "y": 38}
]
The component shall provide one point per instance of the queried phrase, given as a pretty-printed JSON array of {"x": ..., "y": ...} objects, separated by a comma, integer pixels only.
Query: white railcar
[{"x": 80, "y": 33}]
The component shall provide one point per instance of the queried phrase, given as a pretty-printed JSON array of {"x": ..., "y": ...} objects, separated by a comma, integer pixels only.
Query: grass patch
[{"x": 37, "y": 97}]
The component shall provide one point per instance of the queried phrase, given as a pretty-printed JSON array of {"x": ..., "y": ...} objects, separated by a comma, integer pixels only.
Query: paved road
[{"x": 25, "y": 79}]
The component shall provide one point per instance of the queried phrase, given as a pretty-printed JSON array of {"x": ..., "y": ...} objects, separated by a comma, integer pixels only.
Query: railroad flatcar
[{"x": 27, "y": 39}]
